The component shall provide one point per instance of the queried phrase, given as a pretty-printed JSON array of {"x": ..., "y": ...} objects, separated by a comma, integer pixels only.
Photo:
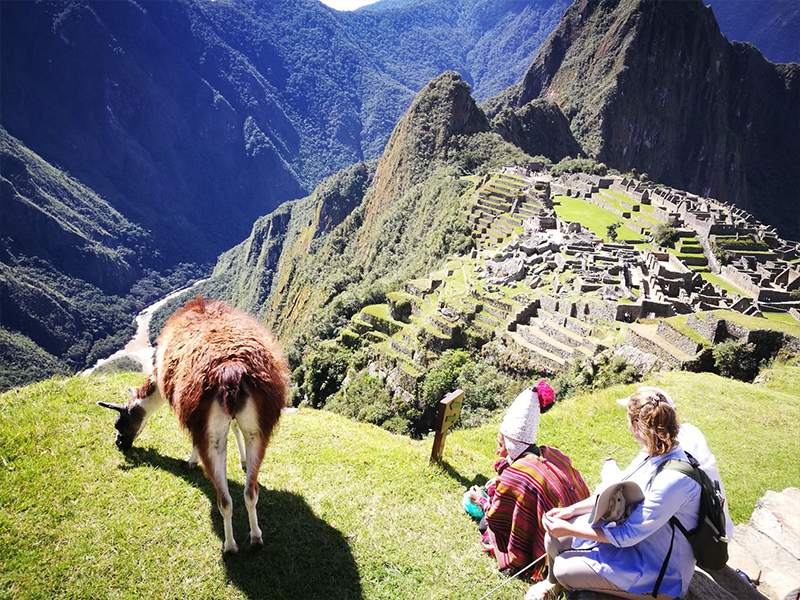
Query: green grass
[
  {"x": 613, "y": 202},
  {"x": 714, "y": 279},
  {"x": 348, "y": 510},
  {"x": 679, "y": 324},
  {"x": 791, "y": 327},
  {"x": 593, "y": 217},
  {"x": 609, "y": 192},
  {"x": 780, "y": 317}
]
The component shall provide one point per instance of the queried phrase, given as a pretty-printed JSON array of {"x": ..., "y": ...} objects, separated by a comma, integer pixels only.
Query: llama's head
[{"x": 129, "y": 424}]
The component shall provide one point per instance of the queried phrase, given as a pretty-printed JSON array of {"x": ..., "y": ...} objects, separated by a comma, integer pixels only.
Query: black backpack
[{"x": 708, "y": 540}]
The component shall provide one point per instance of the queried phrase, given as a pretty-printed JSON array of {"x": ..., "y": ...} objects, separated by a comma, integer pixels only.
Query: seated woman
[
  {"x": 531, "y": 480},
  {"x": 628, "y": 559}
]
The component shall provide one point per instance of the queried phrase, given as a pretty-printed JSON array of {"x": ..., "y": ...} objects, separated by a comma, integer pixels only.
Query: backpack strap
[
  {"x": 663, "y": 570},
  {"x": 688, "y": 469}
]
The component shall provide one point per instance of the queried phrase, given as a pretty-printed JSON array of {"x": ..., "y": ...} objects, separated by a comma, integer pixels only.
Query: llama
[{"x": 218, "y": 368}]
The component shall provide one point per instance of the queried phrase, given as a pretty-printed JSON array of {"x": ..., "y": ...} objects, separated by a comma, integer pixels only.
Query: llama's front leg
[
  {"x": 237, "y": 433},
  {"x": 214, "y": 454}
]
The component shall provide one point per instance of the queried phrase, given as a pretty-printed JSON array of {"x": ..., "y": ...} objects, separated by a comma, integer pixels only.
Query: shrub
[
  {"x": 442, "y": 376},
  {"x": 665, "y": 235},
  {"x": 119, "y": 365},
  {"x": 723, "y": 256},
  {"x": 578, "y": 165},
  {"x": 736, "y": 359},
  {"x": 321, "y": 373},
  {"x": 611, "y": 230}
]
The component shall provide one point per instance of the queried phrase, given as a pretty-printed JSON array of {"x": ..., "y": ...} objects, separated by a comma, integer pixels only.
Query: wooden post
[{"x": 449, "y": 411}]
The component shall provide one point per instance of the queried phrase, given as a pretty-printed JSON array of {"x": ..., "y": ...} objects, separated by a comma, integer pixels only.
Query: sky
[{"x": 347, "y": 4}]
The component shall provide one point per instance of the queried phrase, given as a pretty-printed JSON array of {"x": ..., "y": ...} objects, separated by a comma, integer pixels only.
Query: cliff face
[
  {"x": 654, "y": 85},
  {"x": 539, "y": 128},
  {"x": 49, "y": 215}
]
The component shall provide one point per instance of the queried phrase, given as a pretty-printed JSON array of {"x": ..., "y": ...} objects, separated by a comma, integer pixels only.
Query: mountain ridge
[{"x": 723, "y": 124}]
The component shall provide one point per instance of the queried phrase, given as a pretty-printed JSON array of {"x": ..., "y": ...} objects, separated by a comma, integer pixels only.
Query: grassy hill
[{"x": 348, "y": 510}]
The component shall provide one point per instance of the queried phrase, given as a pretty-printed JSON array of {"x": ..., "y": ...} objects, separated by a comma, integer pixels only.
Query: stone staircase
[
  {"x": 552, "y": 339},
  {"x": 663, "y": 342},
  {"x": 767, "y": 548}
]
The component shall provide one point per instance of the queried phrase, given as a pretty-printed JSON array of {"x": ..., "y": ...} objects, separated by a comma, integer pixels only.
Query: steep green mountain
[
  {"x": 139, "y": 135},
  {"x": 177, "y": 112},
  {"x": 655, "y": 86},
  {"x": 772, "y": 26},
  {"x": 64, "y": 252},
  {"x": 310, "y": 265},
  {"x": 73, "y": 270}
]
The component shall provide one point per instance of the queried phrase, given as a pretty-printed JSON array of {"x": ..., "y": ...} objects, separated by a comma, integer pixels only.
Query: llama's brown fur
[
  {"x": 211, "y": 355},
  {"x": 210, "y": 349}
]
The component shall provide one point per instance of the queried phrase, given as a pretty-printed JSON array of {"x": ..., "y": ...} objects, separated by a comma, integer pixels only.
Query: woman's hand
[
  {"x": 555, "y": 526},
  {"x": 565, "y": 513}
]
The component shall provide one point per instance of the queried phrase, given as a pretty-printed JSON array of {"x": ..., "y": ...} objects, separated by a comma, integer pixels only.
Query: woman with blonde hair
[{"x": 637, "y": 554}]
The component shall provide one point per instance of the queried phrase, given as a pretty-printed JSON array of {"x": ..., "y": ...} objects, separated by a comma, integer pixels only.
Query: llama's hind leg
[
  {"x": 193, "y": 459},
  {"x": 213, "y": 450},
  {"x": 237, "y": 433},
  {"x": 255, "y": 445}
]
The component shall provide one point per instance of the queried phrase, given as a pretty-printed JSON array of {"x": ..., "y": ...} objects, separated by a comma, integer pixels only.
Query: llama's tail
[{"x": 229, "y": 378}]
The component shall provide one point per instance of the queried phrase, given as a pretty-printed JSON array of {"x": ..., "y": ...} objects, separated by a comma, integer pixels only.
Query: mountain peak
[{"x": 441, "y": 110}]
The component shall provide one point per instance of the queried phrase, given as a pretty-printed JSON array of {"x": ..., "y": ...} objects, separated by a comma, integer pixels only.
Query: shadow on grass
[
  {"x": 302, "y": 557},
  {"x": 478, "y": 480}
]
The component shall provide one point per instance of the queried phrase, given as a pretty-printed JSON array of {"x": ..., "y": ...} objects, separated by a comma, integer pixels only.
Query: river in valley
[{"x": 139, "y": 348}]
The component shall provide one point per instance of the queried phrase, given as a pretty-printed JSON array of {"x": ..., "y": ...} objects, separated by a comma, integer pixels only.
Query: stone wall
[
  {"x": 740, "y": 279},
  {"x": 678, "y": 339},
  {"x": 710, "y": 328}
]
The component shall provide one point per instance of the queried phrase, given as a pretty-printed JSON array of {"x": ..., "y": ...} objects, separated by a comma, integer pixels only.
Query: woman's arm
[
  {"x": 574, "y": 510},
  {"x": 667, "y": 494},
  {"x": 559, "y": 528}
]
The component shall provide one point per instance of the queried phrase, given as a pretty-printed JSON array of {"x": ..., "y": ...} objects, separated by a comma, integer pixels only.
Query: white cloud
[{"x": 347, "y": 4}]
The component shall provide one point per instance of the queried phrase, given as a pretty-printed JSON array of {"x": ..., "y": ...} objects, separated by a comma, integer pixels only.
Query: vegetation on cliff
[{"x": 309, "y": 281}]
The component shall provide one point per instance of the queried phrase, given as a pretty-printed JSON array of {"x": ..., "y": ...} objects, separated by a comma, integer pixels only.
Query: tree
[
  {"x": 611, "y": 230},
  {"x": 665, "y": 235}
]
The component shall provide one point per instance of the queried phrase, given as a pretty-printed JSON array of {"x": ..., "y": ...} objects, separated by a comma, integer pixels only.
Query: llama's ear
[{"x": 112, "y": 406}]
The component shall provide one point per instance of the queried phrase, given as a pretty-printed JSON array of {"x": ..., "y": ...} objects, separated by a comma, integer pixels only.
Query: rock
[
  {"x": 780, "y": 570},
  {"x": 735, "y": 584},
  {"x": 702, "y": 587},
  {"x": 776, "y": 516},
  {"x": 740, "y": 558}
]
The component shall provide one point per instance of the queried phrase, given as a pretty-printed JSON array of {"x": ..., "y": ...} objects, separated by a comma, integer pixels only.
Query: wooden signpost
[{"x": 449, "y": 411}]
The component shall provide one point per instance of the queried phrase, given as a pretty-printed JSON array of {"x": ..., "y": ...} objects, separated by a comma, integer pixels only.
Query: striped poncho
[{"x": 525, "y": 491}]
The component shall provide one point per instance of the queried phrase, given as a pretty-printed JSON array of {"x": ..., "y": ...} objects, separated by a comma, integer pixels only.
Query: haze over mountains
[{"x": 140, "y": 135}]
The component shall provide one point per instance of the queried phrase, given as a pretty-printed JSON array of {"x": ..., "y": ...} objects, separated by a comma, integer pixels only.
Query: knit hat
[
  {"x": 522, "y": 418},
  {"x": 521, "y": 422}
]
